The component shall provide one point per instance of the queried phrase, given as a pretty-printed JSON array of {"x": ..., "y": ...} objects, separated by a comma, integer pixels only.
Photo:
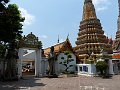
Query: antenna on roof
[{"x": 58, "y": 39}]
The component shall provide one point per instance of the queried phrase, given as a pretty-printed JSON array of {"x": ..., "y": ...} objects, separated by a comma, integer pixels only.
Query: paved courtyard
[{"x": 70, "y": 83}]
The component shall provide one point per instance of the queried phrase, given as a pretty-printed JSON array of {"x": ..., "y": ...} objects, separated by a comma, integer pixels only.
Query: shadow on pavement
[{"x": 23, "y": 84}]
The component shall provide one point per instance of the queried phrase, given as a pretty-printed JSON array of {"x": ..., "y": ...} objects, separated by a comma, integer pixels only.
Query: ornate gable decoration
[
  {"x": 30, "y": 41},
  {"x": 66, "y": 46}
]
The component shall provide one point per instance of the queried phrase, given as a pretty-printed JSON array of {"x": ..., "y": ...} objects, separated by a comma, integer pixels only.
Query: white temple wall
[
  {"x": 60, "y": 68},
  {"x": 111, "y": 67}
]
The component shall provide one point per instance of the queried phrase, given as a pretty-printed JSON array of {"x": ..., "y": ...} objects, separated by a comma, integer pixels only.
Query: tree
[
  {"x": 10, "y": 34},
  {"x": 2, "y": 4},
  {"x": 10, "y": 24},
  {"x": 102, "y": 67},
  {"x": 66, "y": 61}
]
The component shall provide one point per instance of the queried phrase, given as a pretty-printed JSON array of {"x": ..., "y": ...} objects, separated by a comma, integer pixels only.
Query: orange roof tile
[
  {"x": 66, "y": 45},
  {"x": 116, "y": 56},
  {"x": 57, "y": 47}
]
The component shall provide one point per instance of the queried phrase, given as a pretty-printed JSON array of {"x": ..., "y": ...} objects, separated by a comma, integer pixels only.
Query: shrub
[{"x": 101, "y": 67}]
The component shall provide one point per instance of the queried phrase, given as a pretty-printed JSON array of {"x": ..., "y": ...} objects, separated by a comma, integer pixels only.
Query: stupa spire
[
  {"x": 117, "y": 41},
  {"x": 119, "y": 7},
  {"x": 118, "y": 22},
  {"x": 86, "y": 1},
  {"x": 90, "y": 36},
  {"x": 88, "y": 10}
]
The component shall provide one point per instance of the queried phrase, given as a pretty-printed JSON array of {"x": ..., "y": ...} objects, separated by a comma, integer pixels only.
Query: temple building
[
  {"x": 116, "y": 46},
  {"x": 91, "y": 38},
  {"x": 59, "y": 50}
]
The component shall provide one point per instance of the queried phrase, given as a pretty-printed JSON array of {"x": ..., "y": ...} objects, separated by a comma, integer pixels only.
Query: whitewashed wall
[
  {"x": 44, "y": 66},
  {"x": 30, "y": 56},
  {"x": 60, "y": 68}
]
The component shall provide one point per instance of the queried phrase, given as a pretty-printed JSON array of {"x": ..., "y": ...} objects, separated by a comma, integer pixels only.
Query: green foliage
[
  {"x": 40, "y": 44},
  {"x": 5, "y": 1},
  {"x": 102, "y": 67},
  {"x": 66, "y": 52},
  {"x": 10, "y": 23},
  {"x": 2, "y": 5},
  {"x": 66, "y": 62},
  {"x": 10, "y": 34},
  {"x": 69, "y": 56},
  {"x": 62, "y": 57}
]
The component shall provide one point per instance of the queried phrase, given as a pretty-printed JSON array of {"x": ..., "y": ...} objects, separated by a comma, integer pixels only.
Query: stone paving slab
[{"x": 66, "y": 83}]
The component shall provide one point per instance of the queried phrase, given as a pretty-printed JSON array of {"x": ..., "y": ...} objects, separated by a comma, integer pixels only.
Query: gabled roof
[{"x": 60, "y": 47}]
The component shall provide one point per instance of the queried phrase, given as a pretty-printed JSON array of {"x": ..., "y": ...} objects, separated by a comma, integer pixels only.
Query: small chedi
[{"x": 91, "y": 39}]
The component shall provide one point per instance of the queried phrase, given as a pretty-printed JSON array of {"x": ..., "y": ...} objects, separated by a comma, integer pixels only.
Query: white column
[
  {"x": 78, "y": 67},
  {"x": 38, "y": 63},
  {"x": 20, "y": 54},
  {"x": 31, "y": 66},
  {"x": 111, "y": 67}
]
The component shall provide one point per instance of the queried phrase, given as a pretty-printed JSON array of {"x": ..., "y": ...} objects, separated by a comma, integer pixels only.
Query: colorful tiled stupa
[
  {"x": 117, "y": 40},
  {"x": 91, "y": 38},
  {"x": 116, "y": 44}
]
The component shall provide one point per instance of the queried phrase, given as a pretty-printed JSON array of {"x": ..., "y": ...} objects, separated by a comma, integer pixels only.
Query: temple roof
[
  {"x": 60, "y": 47},
  {"x": 88, "y": 10},
  {"x": 56, "y": 48}
]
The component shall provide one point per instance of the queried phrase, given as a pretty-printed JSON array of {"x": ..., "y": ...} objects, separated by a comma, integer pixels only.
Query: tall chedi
[
  {"x": 91, "y": 39},
  {"x": 117, "y": 40}
]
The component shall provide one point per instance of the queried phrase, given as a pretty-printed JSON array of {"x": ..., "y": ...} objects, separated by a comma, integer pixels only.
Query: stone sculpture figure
[{"x": 52, "y": 63}]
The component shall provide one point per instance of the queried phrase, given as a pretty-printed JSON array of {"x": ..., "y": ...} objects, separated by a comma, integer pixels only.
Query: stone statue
[{"x": 52, "y": 62}]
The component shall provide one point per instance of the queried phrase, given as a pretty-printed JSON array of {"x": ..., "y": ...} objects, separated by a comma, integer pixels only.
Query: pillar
[
  {"x": 111, "y": 67},
  {"x": 31, "y": 66},
  {"x": 78, "y": 67},
  {"x": 20, "y": 55},
  {"x": 38, "y": 63}
]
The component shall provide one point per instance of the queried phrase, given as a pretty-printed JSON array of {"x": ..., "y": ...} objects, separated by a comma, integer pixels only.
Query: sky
[{"x": 49, "y": 18}]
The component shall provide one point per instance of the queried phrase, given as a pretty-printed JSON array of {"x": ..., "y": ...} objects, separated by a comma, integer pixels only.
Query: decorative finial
[
  {"x": 58, "y": 39},
  {"x": 67, "y": 37}
]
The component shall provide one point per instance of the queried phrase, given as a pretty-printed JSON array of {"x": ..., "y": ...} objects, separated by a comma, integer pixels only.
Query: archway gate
[{"x": 30, "y": 42}]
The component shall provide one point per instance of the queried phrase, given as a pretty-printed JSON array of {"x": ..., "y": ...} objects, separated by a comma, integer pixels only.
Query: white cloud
[
  {"x": 29, "y": 18},
  {"x": 101, "y": 5},
  {"x": 101, "y": 8},
  {"x": 98, "y": 2},
  {"x": 43, "y": 37},
  {"x": 61, "y": 40}
]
